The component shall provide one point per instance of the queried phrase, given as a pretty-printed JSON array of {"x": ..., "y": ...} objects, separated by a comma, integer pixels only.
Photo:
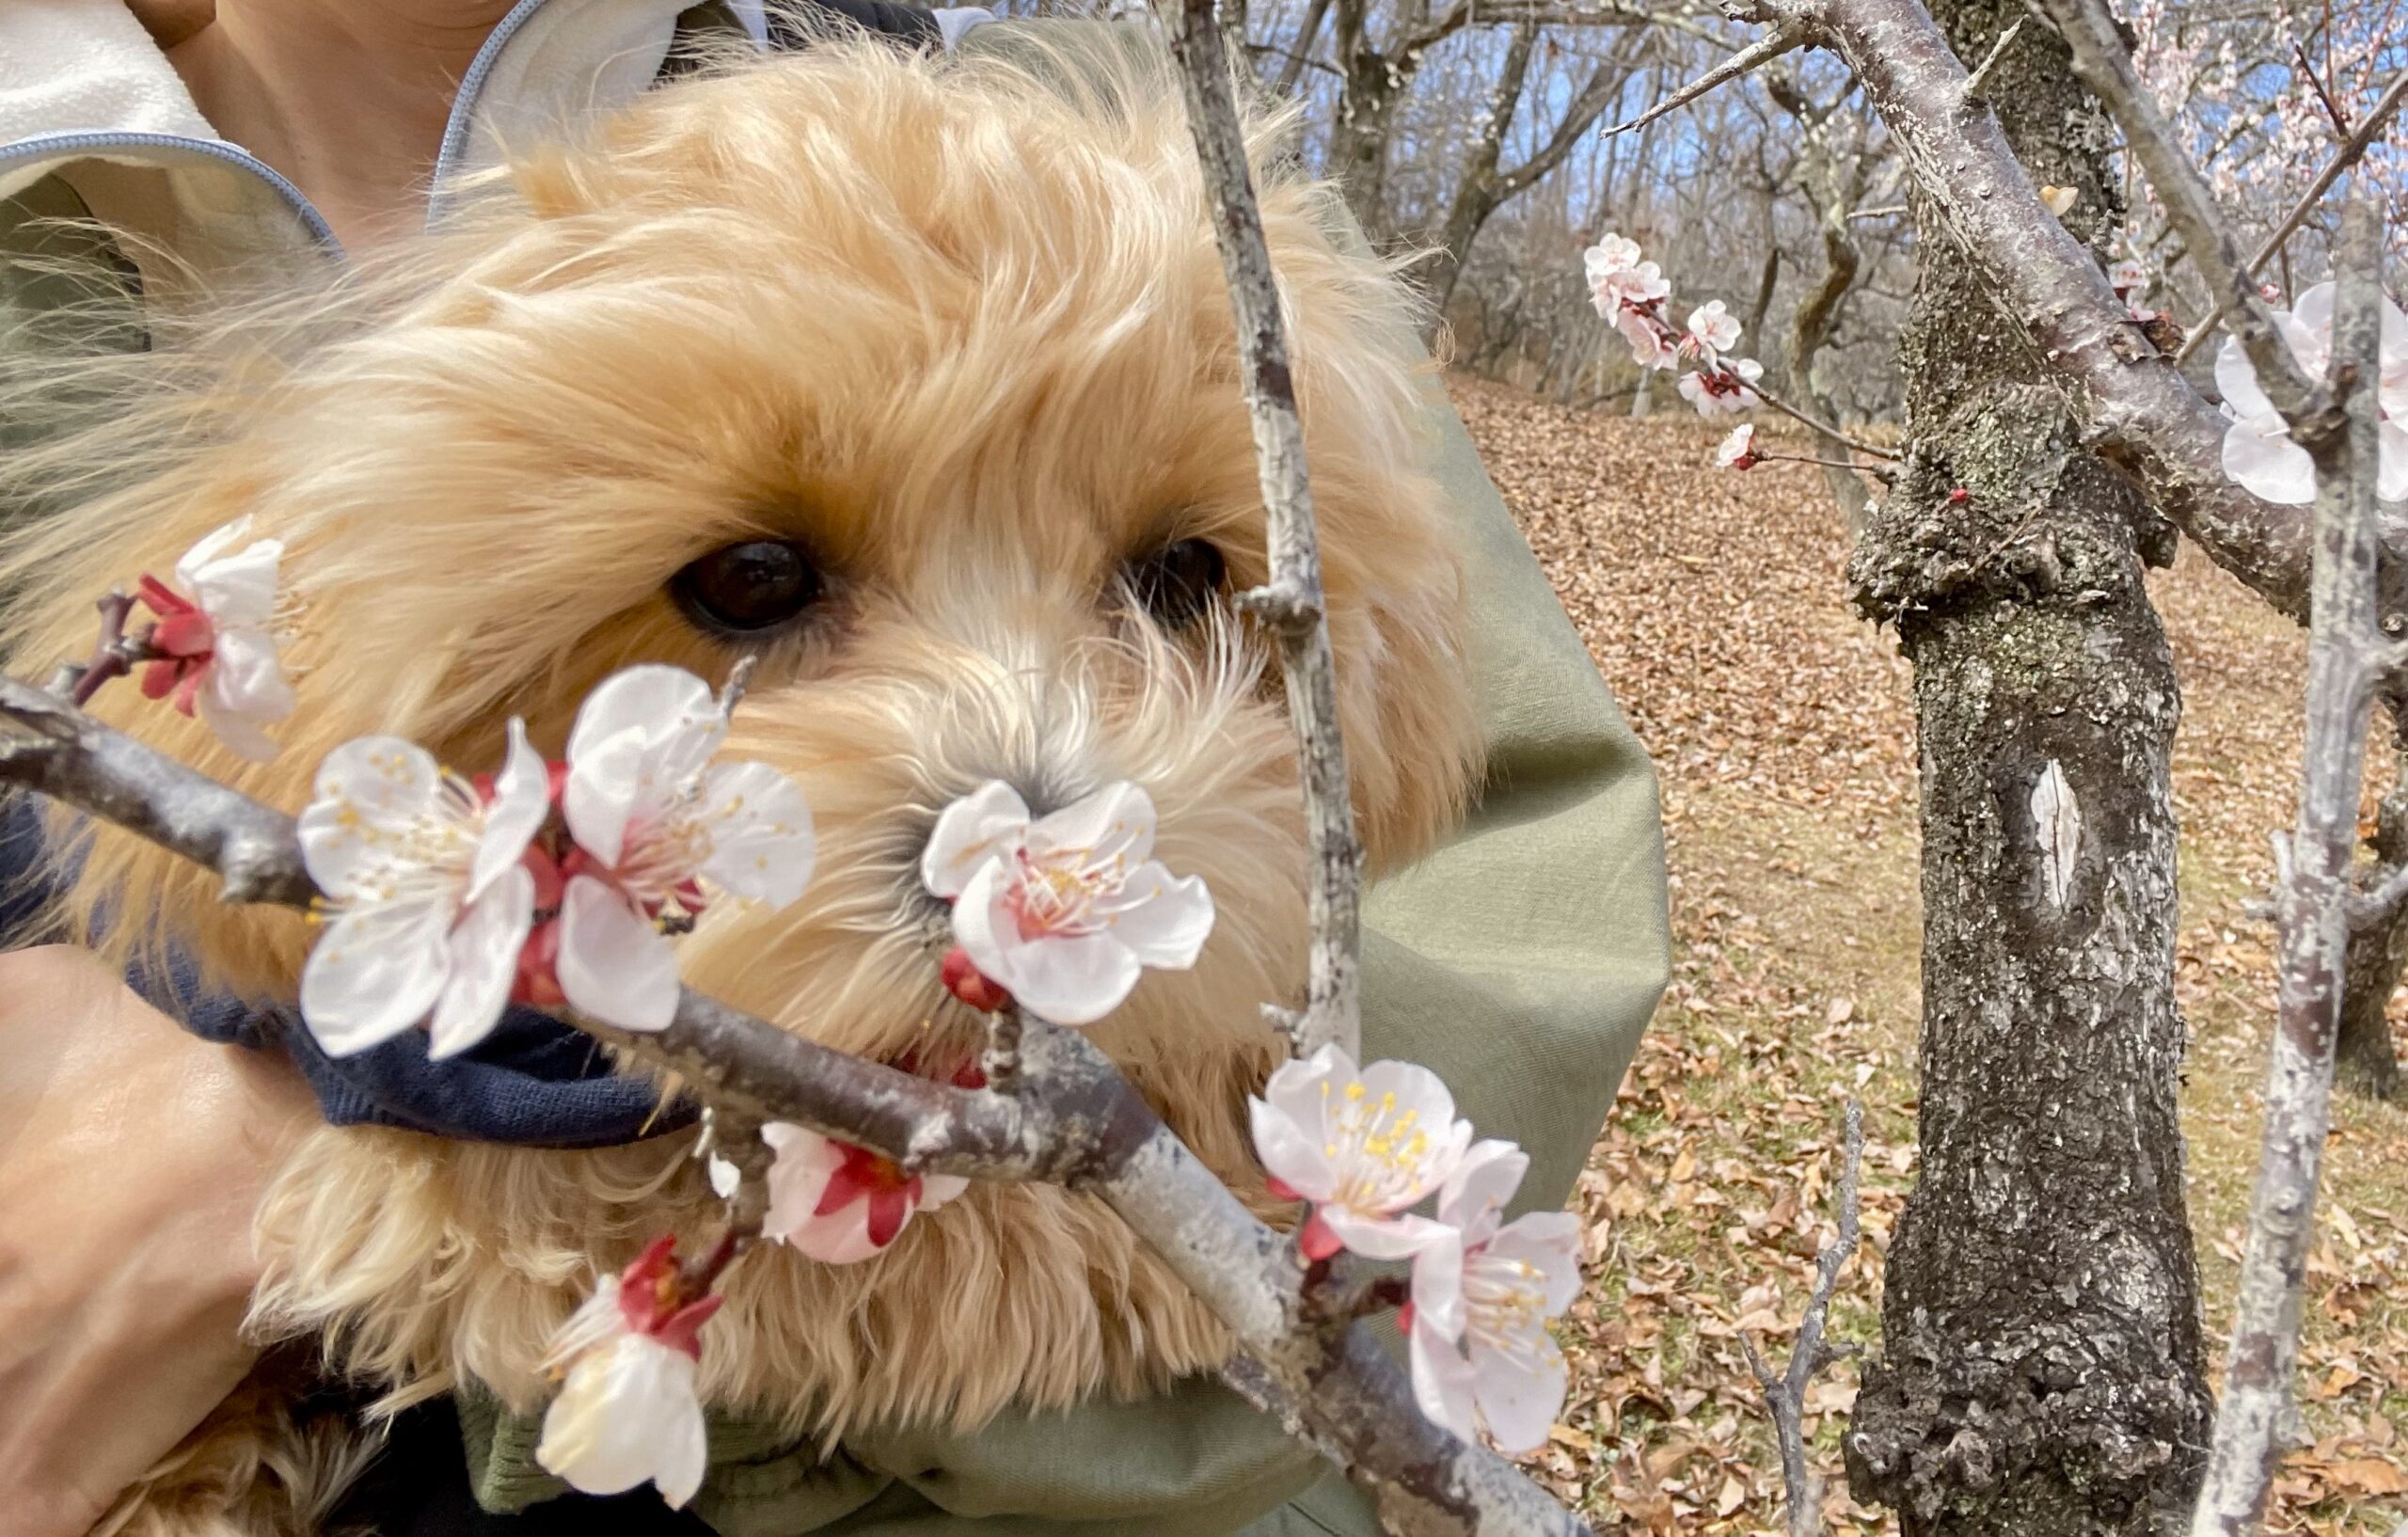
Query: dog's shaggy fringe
[{"x": 959, "y": 327}]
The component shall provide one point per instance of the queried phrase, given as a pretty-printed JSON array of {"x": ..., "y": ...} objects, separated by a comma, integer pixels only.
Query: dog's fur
[{"x": 961, "y": 326}]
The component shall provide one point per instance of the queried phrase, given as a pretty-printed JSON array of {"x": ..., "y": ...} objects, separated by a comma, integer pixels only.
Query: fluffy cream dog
[{"x": 916, "y": 380}]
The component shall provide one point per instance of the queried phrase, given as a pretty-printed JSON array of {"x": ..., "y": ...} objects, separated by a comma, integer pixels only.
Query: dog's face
[
  {"x": 916, "y": 382},
  {"x": 918, "y": 385}
]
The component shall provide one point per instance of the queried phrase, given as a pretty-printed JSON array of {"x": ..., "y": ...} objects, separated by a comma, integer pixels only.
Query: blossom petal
[
  {"x": 2391, "y": 478},
  {"x": 1442, "y": 1382},
  {"x": 1438, "y": 1286},
  {"x": 246, "y": 689},
  {"x": 211, "y": 545},
  {"x": 1420, "y": 1093},
  {"x": 375, "y": 972},
  {"x": 366, "y": 791},
  {"x": 2261, "y": 459},
  {"x": 2237, "y": 380},
  {"x": 1519, "y": 1399},
  {"x": 762, "y": 845},
  {"x": 1120, "y": 816},
  {"x": 1473, "y": 1198},
  {"x": 1291, "y": 1152},
  {"x": 936, "y": 1188},
  {"x": 1168, "y": 920},
  {"x": 522, "y": 797},
  {"x": 484, "y": 946},
  {"x": 797, "y": 1178},
  {"x": 1383, "y": 1238},
  {"x": 627, "y": 1414},
  {"x": 1548, "y": 1243},
  {"x": 1068, "y": 981},
  {"x": 991, "y": 820},
  {"x": 613, "y": 964},
  {"x": 641, "y": 735}
]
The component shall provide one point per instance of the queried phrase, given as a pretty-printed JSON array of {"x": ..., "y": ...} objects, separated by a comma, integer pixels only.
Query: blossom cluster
[
  {"x": 1363, "y": 1148},
  {"x": 1632, "y": 295},
  {"x": 446, "y": 897},
  {"x": 2259, "y": 453}
]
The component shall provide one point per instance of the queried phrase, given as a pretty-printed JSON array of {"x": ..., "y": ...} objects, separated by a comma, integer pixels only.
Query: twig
[
  {"x": 1888, "y": 210},
  {"x": 1810, "y": 459},
  {"x": 1779, "y": 40},
  {"x": 2331, "y": 108},
  {"x": 2376, "y": 905},
  {"x": 1786, "y": 1394},
  {"x": 1075, "y": 1121},
  {"x": 2105, "y": 65},
  {"x": 1974, "y": 83},
  {"x": 1291, "y": 602},
  {"x": 2369, "y": 129},
  {"x": 113, "y": 655},
  {"x": 1859, "y": 445},
  {"x": 2343, "y": 642}
]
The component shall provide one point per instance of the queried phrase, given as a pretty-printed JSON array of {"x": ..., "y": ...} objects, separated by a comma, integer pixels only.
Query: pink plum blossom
[
  {"x": 1482, "y": 1295},
  {"x": 656, "y": 827},
  {"x": 2259, "y": 453},
  {"x": 1723, "y": 389},
  {"x": 1063, "y": 911},
  {"x": 628, "y": 1412},
  {"x": 1739, "y": 450},
  {"x": 840, "y": 1204},
  {"x": 1362, "y": 1147},
  {"x": 427, "y": 890},
  {"x": 1713, "y": 331},
  {"x": 215, "y": 639}
]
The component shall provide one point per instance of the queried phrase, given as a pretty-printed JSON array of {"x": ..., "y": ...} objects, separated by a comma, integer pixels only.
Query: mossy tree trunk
[{"x": 2041, "y": 1371}]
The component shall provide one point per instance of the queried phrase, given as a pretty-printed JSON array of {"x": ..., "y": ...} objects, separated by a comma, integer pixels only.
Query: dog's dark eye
[
  {"x": 1178, "y": 582},
  {"x": 752, "y": 586}
]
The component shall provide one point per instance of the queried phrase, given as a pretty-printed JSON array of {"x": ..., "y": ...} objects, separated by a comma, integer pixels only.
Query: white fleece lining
[{"x": 86, "y": 67}]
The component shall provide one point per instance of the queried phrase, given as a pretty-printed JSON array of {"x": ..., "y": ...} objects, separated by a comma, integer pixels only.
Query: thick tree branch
[
  {"x": 1290, "y": 604},
  {"x": 2346, "y": 651},
  {"x": 1071, "y": 1118},
  {"x": 2105, "y": 65}
]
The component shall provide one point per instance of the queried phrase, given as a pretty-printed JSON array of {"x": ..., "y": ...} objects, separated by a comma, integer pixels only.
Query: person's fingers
[{"x": 131, "y": 1158}]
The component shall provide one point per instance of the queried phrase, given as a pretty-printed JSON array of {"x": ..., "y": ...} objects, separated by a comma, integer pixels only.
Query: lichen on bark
[{"x": 2041, "y": 1371}]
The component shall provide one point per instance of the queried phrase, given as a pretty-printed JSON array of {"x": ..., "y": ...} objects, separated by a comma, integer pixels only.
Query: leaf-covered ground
[{"x": 1782, "y": 727}]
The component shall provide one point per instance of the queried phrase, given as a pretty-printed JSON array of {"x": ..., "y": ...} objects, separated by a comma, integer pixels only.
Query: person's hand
[{"x": 132, "y": 1157}]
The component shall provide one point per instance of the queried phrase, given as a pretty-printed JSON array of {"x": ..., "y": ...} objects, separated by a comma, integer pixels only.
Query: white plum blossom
[
  {"x": 2125, "y": 275},
  {"x": 427, "y": 889},
  {"x": 215, "y": 639},
  {"x": 1723, "y": 388},
  {"x": 653, "y": 820},
  {"x": 628, "y": 1412},
  {"x": 1617, "y": 280},
  {"x": 840, "y": 1204},
  {"x": 1713, "y": 331},
  {"x": 1651, "y": 345},
  {"x": 2259, "y": 453},
  {"x": 1362, "y": 1145},
  {"x": 1064, "y": 911},
  {"x": 1482, "y": 1294},
  {"x": 1739, "y": 450}
]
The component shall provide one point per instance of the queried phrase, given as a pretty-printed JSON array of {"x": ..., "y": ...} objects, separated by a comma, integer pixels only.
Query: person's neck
[{"x": 347, "y": 100}]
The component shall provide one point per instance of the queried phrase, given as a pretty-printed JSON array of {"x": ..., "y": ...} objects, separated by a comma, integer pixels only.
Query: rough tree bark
[
  {"x": 2042, "y": 1371},
  {"x": 2366, "y": 1061}
]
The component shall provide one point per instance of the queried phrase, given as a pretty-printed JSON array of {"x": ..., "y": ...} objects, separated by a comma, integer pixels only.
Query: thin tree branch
[
  {"x": 2378, "y": 903},
  {"x": 1779, "y": 40},
  {"x": 1825, "y": 428},
  {"x": 1786, "y": 1394},
  {"x": 1890, "y": 212},
  {"x": 1290, "y": 604},
  {"x": 1073, "y": 1121},
  {"x": 2369, "y": 129},
  {"x": 2344, "y": 647},
  {"x": 2105, "y": 65}
]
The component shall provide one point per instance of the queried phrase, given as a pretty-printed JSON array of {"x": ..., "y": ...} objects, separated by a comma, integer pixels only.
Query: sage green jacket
[{"x": 1520, "y": 961}]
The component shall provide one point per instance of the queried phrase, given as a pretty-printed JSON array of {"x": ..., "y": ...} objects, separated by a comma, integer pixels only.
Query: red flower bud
[{"x": 963, "y": 980}]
